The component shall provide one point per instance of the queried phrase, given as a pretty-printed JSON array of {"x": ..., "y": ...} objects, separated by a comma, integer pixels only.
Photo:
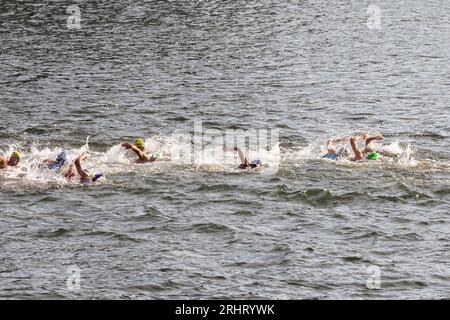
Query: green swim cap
[
  {"x": 373, "y": 156},
  {"x": 16, "y": 154},
  {"x": 140, "y": 143}
]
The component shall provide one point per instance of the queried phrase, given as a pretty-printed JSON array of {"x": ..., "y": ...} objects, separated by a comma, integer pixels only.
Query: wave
[{"x": 324, "y": 197}]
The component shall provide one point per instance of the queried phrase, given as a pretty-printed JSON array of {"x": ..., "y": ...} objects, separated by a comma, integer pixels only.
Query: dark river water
[{"x": 298, "y": 228}]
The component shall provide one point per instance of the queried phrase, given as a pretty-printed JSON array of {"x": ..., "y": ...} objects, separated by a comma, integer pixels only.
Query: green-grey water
[{"x": 171, "y": 229}]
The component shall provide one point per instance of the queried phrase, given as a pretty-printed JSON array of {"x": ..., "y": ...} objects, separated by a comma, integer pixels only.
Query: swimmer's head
[
  {"x": 59, "y": 162},
  {"x": 15, "y": 158},
  {"x": 61, "y": 158},
  {"x": 97, "y": 176},
  {"x": 16, "y": 154},
  {"x": 255, "y": 163},
  {"x": 140, "y": 143},
  {"x": 373, "y": 156}
]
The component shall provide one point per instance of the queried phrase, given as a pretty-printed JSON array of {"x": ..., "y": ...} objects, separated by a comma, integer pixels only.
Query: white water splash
[
  {"x": 394, "y": 153},
  {"x": 180, "y": 151}
]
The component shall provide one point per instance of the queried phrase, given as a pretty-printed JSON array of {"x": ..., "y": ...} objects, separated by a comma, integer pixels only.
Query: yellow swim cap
[
  {"x": 140, "y": 143},
  {"x": 17, "y": 155}
]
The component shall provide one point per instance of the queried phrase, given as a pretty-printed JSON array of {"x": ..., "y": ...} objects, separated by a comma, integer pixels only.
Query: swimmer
[
  {"x": 139, "y": 149},
  {"x": 245, "y": 164},
  {"x": 332, "y": 152},
  {"x": 368, "y": 152},
  {"x": 85, "y": 177},
  {"x": 13, "y": 161},
  {"x": 61, "y": 159}
]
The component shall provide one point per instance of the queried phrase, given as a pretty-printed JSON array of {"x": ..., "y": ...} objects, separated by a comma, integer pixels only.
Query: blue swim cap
[
  {"x": 331, "y": 156},
  {"x": 97, "y": 176},
  {"x": 256, "y": 163},
  {"x": 59, "y": 162},
  {"x": 62, "y": 158}
]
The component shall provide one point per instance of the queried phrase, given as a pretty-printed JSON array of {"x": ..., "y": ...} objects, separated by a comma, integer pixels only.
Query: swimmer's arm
[
  {"x": 362, "y": 136},
  {"x": 331, "y": 143},
  {"x": 370, "y": 139},
  {"x": 331, "y": 146},
  {"x": 70, "y": 173},
  {"x": 242, "y": 157},
  {"x": 146, "y": 159},
  {"x": 138, "y": 152},
  {"x": 358, "y": 153},
  {"x": 83, "y": 174},
  {"x": 340, "y": 139}
]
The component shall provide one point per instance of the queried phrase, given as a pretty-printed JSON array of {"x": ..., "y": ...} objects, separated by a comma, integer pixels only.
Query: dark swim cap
[{"x": 97, "y": 176}]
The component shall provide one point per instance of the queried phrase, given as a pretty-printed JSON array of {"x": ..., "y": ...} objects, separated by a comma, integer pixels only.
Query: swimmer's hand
[
  {"x": 127, "y": 145},
  {"x": 226, "y": 148},
  {"x": 378, "y": 137},
  {"x": 83, "y": 157},
  {"x": 362, "y": 136}
]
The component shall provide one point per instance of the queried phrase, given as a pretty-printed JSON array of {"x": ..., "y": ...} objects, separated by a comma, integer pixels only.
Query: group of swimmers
[
  {"x": 368, "y": 152},
  {"x": 76, "y": 169}
]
